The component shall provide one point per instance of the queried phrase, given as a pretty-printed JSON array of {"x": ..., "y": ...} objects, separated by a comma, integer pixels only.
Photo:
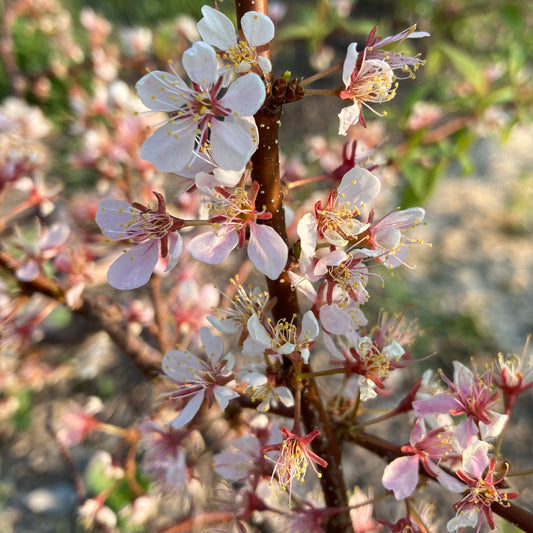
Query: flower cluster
[{"x": 323, "y": 368}]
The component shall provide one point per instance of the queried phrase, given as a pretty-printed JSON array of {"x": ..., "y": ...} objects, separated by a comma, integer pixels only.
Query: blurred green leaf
[{"x": 468, "y": 67}]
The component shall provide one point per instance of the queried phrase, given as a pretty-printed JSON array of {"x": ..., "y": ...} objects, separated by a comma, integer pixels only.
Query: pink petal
[
  {"x": 28, "y": 271},
  {"x": 267, "y": 250},
  {"x": 189, "y": 411},
  {"x": 134, "y": 268},
  {"x": 214, "y": 246},
  {"x": 475, "y": 458},
  {"x": 440, "y": 403},
  {"x": 401, "y": 476},
  {"x": 112, "y": 216}
]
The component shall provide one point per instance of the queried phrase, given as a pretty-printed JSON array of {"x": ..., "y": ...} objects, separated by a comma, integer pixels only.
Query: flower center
[
  {"x": 147, "y": 225},
  {"x": 374, "y": 82},
  {"x": 242, "y": 55}
]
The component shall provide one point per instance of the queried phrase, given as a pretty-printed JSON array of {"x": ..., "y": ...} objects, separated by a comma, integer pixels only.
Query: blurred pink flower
[
  {"x": 38, "y": 248},
  {"x": 164, "y": 457}
]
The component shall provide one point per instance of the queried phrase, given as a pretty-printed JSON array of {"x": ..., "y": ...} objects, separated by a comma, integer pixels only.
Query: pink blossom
[
  {"x": 164, "y": 456},
  {"x": 336, "y": 222},
  {"x": 514, "y": 377},
  {"x": 154, "y": 232},
  {"x": 294, "y": 457},
  {"x": 362, "y": 509},
  {"x": 231, "y": 215},
  {"x": 39, "y": 248},
  {"x": 77, "y": 422},
  {"x": 478, "y": 473},
  {"x": 202, "y": 123},
  {"x": 426, "y": 449},
  {"x": 369, "y": 75},
  {"x": 190, "y": 302},
  {"x": 386, "y": 241},
  {"x": 241, "y": 460},
  {"x": 239, "y": 54},
  {"x": 469, "y": 394},
  {"x": 281, "y": 339},
  {"x": 363, "y": 356},
  {"x": 195, "y": 379}
]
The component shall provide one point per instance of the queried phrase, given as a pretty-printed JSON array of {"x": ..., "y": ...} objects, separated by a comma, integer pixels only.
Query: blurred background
[{"x": 457, "y": 140}]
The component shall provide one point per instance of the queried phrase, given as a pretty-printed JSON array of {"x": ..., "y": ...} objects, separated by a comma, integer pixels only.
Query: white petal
[
  {"x": 175, "y": 250},
  {"x": 245, "y": 95},
  {"x": 357, "y": 187},
  {"x": 216, "y": 29},
  {"x": 307, "y": 231},
  {"x": 160, "y": 91},
  {"x": 257, "y": 28},
  {"x": 285, "y": 396},
  {"x": 169, "y": 148},
  {"x": 231, "y": 146},
  {"x": 349, "y": 64},
  {"x": 182, "y": 367},
  {"x": 213, "y": 344},
  {"x": 310, "y": 327},
  {"x": 224, "y": 326},
  {"x": 200, "y": 63},
  {"x": 349, "y": 116},
  {"x": 223, "y": 395},
  {"x": 257, "y": 332},
  {"x": 264, "y": 64}
]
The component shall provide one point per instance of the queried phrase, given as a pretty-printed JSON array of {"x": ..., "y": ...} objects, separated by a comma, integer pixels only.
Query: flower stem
[{"x": 320, "y": 75}]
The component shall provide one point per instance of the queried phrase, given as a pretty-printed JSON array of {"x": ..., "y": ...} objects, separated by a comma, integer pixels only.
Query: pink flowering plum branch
[{"x": 303, "y": 353}]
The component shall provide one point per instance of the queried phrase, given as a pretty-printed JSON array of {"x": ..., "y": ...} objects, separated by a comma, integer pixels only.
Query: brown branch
[
  {"x": 266, "y": 172},
  {"x": 198, "y": 521},
  {"x": 101, "y": 311},
  {"x": 516, "y": 515}
]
